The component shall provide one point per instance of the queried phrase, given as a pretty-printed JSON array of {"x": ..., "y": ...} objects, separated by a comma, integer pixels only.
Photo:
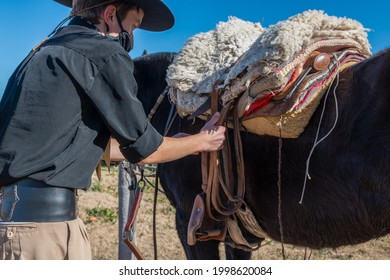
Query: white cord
[{"x": 307, "y": 175}]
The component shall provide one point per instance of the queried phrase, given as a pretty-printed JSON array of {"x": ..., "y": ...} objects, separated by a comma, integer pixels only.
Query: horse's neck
[
  {"x": 149, "y": 72},
  {"x": 363, "y": 99},
  {"x": 371, "y": 79}
]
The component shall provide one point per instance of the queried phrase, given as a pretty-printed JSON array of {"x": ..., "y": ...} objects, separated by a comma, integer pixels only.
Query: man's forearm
[{"x": 175, "y": 148}]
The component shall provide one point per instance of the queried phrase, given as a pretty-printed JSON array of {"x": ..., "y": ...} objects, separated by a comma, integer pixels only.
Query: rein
[
  {"x": 128, "y": 233},
  {"x": 140, "y": 186},
  {"x": 219, "y": 180}
]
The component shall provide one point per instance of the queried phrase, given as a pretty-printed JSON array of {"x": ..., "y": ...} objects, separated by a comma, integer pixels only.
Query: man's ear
[{"x": 109, "y": 14}]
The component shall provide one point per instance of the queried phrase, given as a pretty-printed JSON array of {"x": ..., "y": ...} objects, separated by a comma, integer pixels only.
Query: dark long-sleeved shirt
[{"x": 62, "y": 104}]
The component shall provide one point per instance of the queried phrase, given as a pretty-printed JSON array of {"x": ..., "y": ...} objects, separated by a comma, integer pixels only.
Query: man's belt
[{"x": 33, "y": 201}]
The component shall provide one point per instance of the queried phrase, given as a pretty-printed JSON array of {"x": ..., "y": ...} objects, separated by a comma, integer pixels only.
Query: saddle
[
  {"x": 267, "y": 104},
  {"x": 219, "y": 212},
  {"x": 285, "y": 111}
]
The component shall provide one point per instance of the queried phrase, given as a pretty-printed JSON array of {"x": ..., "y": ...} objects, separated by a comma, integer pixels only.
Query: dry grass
[{"x": 104, "y": 233}]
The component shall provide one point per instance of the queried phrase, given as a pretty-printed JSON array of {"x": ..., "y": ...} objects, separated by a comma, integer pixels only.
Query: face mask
[{"x": 125, "y": 39}]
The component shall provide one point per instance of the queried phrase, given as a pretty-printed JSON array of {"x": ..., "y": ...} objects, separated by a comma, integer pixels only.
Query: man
[{"x": 59, "y": 109}]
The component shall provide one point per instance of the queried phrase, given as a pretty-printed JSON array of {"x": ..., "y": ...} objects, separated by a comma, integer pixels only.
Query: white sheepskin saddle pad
[
  {"x": 238, "y": 53},
  {"x": 206, "y": 58}
]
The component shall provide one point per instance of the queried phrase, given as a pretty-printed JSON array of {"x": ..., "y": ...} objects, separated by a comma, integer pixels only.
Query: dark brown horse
[{"x": 347, "y": 199}]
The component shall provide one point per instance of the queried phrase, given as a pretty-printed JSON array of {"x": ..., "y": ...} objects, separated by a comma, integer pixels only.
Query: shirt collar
[{"x": 77, "y": 20}]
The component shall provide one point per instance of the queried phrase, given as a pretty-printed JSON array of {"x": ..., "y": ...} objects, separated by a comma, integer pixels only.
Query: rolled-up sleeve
[
  {"x": 145, "y": 145},
  {"x": 114, "y": 94}
]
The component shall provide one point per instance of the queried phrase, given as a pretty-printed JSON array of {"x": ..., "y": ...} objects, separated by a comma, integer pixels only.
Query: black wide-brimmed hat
[{"x": 158, "y": 17}]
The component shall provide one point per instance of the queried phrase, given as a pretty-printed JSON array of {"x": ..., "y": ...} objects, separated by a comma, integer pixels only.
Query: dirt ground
[{"x": 98, "y": 208}]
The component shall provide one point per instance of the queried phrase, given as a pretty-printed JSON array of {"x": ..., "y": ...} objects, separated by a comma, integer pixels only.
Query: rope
[
  {"x": 170, "y": 120},
  {"x": 316, "y": 143},
  {"x": 280, "y": 188},
  {"x": 34, "y": 49},
  {"x": 154, "y": 217}
]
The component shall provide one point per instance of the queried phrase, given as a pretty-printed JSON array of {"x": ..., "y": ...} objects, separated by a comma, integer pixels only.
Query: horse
[{"x": 341, "y": 196}]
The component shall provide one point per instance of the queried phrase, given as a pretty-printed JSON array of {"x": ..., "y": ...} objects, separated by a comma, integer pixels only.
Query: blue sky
[{"x": 25, "y": 23}]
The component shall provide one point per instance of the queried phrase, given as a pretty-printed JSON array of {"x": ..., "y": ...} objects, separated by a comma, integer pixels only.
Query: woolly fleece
[{"x": 239, "y": 51}]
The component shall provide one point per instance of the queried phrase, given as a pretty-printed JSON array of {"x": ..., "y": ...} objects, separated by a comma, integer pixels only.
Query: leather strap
[
  {"x": 221, "y": 197},
  {"x": 29, "y": 200},
  {"x": 196, "y": 219},
  {"x": 134, "y": 249},
  {"x": 220, "y": 190},
  {"x": 130, "y": 224}
]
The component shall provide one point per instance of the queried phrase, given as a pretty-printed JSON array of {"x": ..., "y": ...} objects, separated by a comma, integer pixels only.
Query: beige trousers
[{"x": 44, "y": 241}]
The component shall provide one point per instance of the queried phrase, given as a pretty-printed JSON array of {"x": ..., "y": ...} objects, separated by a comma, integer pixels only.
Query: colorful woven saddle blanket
[{"x": 277, "y": 75}]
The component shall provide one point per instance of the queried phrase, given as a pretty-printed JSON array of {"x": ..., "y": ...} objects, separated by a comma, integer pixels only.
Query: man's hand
[
  {"x": 209, "y": 139},
  {"x": 210, "y": 125},
  {"x": 214, "y": 135}
]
